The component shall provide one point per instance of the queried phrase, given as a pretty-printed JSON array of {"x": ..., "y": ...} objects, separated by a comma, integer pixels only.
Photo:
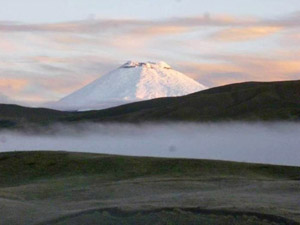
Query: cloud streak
[
  {"x": 244, "y": 34},
  {"x": 157, "y": 26},
  {"x": 11, "y": 84}
]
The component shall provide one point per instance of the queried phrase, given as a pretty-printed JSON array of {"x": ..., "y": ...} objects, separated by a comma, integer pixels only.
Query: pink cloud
[
  {"x": 64, "y": 86},
  {"x": 7, "y": 46},
  {"x": 12, "y": 84},
  {"x": 239, "y": 68},
  {"x": 245, "y": 33}
]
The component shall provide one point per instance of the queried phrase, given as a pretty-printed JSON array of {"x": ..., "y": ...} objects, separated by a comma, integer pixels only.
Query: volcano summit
[{"x": 131, "y": 82}]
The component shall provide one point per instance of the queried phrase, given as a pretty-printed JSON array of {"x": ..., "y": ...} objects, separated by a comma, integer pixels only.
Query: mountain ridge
[
  {"x": 266, "y": 101},
  {"x": 249, "y": 101}
]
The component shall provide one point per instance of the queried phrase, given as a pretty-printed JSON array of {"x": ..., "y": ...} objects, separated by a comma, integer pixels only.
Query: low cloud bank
[{"x": 272, "y": 143}]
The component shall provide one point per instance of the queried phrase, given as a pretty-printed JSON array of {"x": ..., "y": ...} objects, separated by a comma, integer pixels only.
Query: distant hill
[
  {"x": 16, "y": 116},
  {"x": 243, "y": 101}
]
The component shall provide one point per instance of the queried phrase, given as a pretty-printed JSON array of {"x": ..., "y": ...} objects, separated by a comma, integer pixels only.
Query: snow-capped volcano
[{"x": 133, "y": 81}]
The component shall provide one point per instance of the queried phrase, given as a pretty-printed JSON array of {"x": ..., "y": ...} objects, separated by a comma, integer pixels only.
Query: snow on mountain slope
[{"x": 133, "y": 81}]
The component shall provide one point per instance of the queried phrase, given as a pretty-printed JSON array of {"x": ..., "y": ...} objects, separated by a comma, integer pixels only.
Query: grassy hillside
[
  {"x": 15, "y": 116},
  {"x": 60, "y": 188},
  {"x": 23, "y": 167},
  {"x": 243, "y": 101}
]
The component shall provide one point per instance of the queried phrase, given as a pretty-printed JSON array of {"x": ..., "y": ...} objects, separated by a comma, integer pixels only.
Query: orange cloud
[
  {"x": 12, "y": 85},
  {"x": 41, "y": 89},
  {"x": 160, "y": 30},
  {"x": 266, "y": 68},
  {"x": 213, "y": 74},
  {"x": 68, "y": 39},
  {"x": 65, "y": 86},
  {"x": 31, "y": 99},
  {"x": 240, "y": 68},
  {"x": 245, "y": 33}
]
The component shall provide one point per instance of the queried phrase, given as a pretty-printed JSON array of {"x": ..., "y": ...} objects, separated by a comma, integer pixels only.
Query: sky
[{"x": 49, "y": 49}]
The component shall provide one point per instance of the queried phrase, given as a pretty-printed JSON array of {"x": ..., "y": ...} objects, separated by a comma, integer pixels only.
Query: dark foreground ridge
[
  {"x": 250, "y": 101},
  {"x": 22, "y": 167},
  {"x": 65, "y": 188},
  {"x": 208, "y": 216}
]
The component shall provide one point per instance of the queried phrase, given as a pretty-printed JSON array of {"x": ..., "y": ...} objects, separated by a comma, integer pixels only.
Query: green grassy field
[
  {"x": 23, "y": 167},
  {"x": 77, "y": 188}
]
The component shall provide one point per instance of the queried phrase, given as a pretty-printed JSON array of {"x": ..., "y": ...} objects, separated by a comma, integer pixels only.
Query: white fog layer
[{"x": 272, "y": 143}]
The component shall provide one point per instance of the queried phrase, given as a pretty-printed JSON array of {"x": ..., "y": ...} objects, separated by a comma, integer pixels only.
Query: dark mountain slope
[
  {"x": 14, "y": 115},
  {"x": 242, "y": 101}
]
